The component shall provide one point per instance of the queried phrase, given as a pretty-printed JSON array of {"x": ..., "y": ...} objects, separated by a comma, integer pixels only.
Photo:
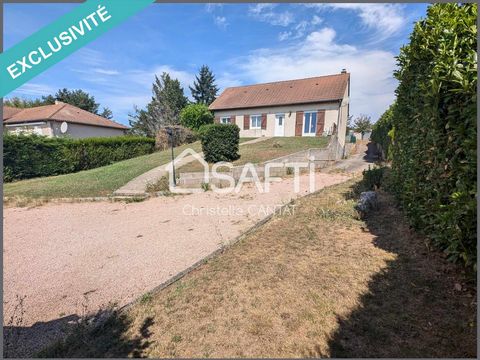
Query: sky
[{"x": 242, "y": 44}]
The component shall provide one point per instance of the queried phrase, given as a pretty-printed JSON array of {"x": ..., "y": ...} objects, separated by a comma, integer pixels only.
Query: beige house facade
[
  {"x": 306, "y": 107},
  {"x": 59, "y": 120}
]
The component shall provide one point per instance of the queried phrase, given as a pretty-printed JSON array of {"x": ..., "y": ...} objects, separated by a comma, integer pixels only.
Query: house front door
[{"x": 279, "y": 125}]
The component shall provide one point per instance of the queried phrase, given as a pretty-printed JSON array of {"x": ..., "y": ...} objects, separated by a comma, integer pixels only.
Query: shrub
[
  {"x": 372, "y": 178},
  {"x": 195, "y": 115},
  {"x": 28, "y": 156},
  {"x": 382, "y": 132},
  {"x": 434, "y": 153},
  {"x": 181, "y": 136},
  {"x": 220, "y": 142}
]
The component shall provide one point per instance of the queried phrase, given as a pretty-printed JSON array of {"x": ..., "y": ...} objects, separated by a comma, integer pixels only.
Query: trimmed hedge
[
  {"x": 434, "y": 151},
  {"x": 220, "y": 142},
  {"x": 28, "y": 156},
  {"x": 382, "y": 132}
]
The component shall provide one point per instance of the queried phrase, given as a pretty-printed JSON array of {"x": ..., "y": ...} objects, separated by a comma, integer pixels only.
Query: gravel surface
[{"x": 66, "y": 258}]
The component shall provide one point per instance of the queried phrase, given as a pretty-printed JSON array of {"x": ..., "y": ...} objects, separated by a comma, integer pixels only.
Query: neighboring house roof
[
  {"x": 301, "y": 91},
  {"x": 57, "y": 112}
]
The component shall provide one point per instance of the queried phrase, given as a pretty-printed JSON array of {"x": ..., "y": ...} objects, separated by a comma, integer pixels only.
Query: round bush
[
  {"x": 195, "y": 115},
  {"x": 220, "y": 142}
]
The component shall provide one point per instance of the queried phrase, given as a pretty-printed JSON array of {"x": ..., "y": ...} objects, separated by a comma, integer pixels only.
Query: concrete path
[
  {"x": 137, "y": 186},
  {"x": 365, "y": 157}
]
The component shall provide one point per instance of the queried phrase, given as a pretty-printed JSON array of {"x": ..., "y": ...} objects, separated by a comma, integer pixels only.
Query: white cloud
[
  {"x": 221, "y": 21},
  {"x": 299, "y": 30},
  {"x": 266, "y": 13},
  {"x": 211, "y": 7},
  {"x": 386, "y": 19},
  {"x": 34, "y": 90},
  {"x": 316, "y": 20},
  {"x": 372, "y": 83},
  {"x": 105, "y": 71}
]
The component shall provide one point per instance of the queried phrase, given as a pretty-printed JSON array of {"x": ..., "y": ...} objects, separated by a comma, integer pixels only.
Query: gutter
[{"x": 276, "y": 105}]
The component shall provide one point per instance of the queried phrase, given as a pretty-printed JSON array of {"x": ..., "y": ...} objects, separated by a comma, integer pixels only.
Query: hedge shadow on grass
[{"x": 412, "y": 308}]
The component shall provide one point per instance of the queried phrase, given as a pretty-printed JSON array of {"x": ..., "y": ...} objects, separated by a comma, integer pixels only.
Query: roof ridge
[
  {"x": 283, "y": 81},
  {"x": 61, "y": 107}
]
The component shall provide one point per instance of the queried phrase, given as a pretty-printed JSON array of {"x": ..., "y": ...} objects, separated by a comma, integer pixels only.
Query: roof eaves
[{"x": 274, "y": 105}]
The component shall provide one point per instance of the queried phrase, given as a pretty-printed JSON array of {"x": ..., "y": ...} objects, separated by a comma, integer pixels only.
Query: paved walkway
[{"x": 137, "y": 186}]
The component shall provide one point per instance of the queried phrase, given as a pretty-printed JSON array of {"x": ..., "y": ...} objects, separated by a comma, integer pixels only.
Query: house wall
[
  {"x": 52, "y": 128},
  {"x": 331, "y": 117},
  {"x": 38, "y": 128},
  {"x": 79, "y": 131},
  {"x": 343, "y": 117}
]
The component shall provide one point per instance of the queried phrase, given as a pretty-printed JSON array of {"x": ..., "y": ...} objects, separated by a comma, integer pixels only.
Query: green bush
[
  {"x": 195, "y": 115},
  {"x": 372, "y": 178},
  {"x": 28, "y": 156},
  {"x": 382, "y": 132},
  {"x": 434, "y": 151},
  {"x": 220, "y": 142}
]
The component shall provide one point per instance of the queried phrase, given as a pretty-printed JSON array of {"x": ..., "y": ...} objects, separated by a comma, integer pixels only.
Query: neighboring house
[
  {"x": 316, "y": 106},
  {"x": 59, "y": 119}
]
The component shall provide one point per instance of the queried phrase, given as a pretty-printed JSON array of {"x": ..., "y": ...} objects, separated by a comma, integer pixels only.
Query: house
[
  {"x": 59, "y": 119},
  {"x": 316, "y": 106}
]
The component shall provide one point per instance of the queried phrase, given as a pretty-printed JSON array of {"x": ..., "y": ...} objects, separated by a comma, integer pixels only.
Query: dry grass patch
[{"x": 320, "y": 282}]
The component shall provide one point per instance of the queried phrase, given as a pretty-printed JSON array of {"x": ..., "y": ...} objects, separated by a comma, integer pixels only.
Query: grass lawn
[
  {"x": 101, "y": 181},
  {"x": 268, "y": 149},
  {"x": 315, "y": 283}
]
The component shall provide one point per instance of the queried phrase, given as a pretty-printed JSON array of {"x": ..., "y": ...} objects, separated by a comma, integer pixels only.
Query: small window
[
  {"x": 255, "y": 121},
  {"x": 225, "y": 120}
]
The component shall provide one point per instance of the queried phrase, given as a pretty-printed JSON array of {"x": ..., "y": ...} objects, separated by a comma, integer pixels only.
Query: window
[
  {"x": 255, "y": 121},
  {"x": 310, "y": 123},
  {"x": 225, "y": 120}
]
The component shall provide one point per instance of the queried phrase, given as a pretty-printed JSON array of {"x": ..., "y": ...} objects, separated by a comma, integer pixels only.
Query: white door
[{"x": 279, "y": 125}]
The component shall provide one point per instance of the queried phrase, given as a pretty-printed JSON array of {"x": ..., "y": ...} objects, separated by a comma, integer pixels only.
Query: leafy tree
[
  {"x": 362, "y": 124},
  {"x": 106, "y": 113},
  {"x": 164, "y": 109},
  {"x": 204, "y": 90},
  {"x": 349, "y": 123},
  {"x": 195, "y": 115},
  {"x": 78, "y": 98},
  {"x": 24, "y": 103}
]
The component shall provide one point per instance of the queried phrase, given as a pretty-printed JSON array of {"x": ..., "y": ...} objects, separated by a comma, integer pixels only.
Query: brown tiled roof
[
  {"x": 8, "y": 112},
  {"x": 57, "y": 112},
  {"x": 301, "y": 91}
]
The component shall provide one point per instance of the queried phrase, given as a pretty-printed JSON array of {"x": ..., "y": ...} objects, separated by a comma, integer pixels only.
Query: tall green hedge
[
  {"x": 435, "y": 130},
  {"x": 382, "y": 132},
  {"x": 28, "y": 156},
  {"x": 220, "y": 142}
]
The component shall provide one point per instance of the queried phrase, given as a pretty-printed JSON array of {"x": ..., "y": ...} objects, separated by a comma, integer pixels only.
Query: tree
[
  {"x": 24, "y": 103},
  {"x": 195, "y": 115},
  {"x": 167, "y": 101},
  {"x": 362, "y": 124},
  {"x": 106, "y": 113},
  {"x": 78, "y": 98},
  {"x": 204, "y": 90},
  {"x": 349, "y": 123}
]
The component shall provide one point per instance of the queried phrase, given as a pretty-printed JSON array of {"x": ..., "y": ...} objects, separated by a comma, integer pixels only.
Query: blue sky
[{"x": 242, "y": 44}]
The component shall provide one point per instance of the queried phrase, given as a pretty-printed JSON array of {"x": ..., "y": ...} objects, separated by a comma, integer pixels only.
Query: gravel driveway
[{"x": 71, "y": 256}]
